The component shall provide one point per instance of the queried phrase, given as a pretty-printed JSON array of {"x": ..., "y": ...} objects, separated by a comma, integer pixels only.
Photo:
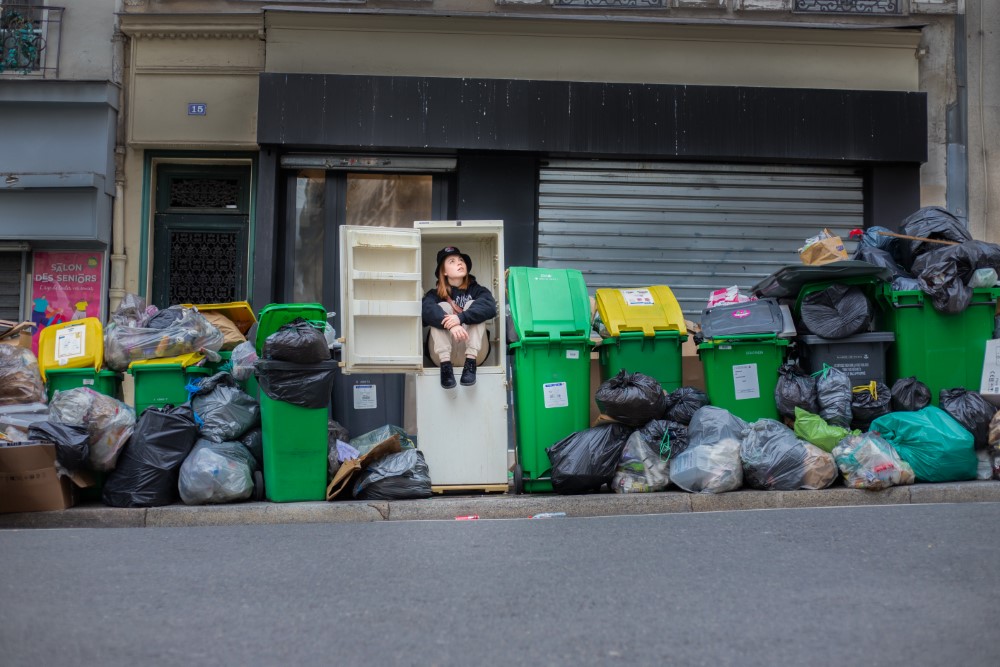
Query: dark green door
[{"x": 200, "y": 235}]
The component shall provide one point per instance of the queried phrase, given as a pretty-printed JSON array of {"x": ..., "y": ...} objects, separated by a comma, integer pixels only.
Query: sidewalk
[{"x": 496, "y": 506}]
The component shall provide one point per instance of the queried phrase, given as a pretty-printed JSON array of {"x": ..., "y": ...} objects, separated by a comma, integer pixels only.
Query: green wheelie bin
[
  {"x": 550, "y": 312},
  {"x": 294, "y": 412},
  {"x": 741, "y": 355},
  {"x": 942, "y": 350},
  {"x": 647, "y": 329}
]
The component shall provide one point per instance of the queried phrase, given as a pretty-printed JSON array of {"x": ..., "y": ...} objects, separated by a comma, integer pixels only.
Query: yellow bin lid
[
  {"x": 183, "y": 360},
  {"x": 651, "y": 310},
  {"x": 239, "y": 312},
  {"x": 71, "y": 345}
]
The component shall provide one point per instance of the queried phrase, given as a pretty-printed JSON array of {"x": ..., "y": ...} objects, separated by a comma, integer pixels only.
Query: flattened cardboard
[
  {"x": 989, "y": 385},
  {"x": 347, "y": 470},
  {"x": 13, "y": 333},
  {"x": 29, "y": 481}
]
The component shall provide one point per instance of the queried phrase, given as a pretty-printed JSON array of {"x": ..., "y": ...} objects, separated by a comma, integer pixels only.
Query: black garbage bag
[
  {"x": 669, "y": 438},
  {"x": 909, "y": 395},
  {"x": 631, "y": 398},
  {"x": 883, "y": 258},
  {"x": 943, "y": 284},
  {"x": 216, "y": 472},
  {"x": 149, "y": 465},
  {"x": 299, "y": 342},
  {"x": 226, "y": 411},
  {"x": 682, "y": 403},
  {"x": 970, "y": 410},
  {"x": 967, "y": 257},
  {"x": 772, "y": 457},
  {"x": 932, "y": 222},
  {"x": 795, "y": 388},
  {"x": 833, "y": 393},
  {"x": 72, "y": 442},
  {"x": 398, "y": 476},
  {"x": 586, "y": 460},
  {"x": 305, "y": 385},
  {"x": 869, "y": 404},
  {"x": 253, "y": 440},
  {"x": 837, "y": 312},
  {"x": 872, "y": 238},
  {"x": 166, "y": 318}
]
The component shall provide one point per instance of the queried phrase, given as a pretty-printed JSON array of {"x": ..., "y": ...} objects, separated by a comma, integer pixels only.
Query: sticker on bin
[
  {"x": 745, "y": 382},
  {"x": 70, "y": 343},
  {"x": 740, "y": 313},
  {"x": 365, "y": 397},
  {"x": 572, "y": 354},
  {"x": 637, "y": 297},
  {"x": 88, "y": 382},
  {"x": 555, "y": 395}
]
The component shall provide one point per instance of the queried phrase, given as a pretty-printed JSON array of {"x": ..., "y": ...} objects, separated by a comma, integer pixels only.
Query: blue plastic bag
[{"x": 937, "y": 447}]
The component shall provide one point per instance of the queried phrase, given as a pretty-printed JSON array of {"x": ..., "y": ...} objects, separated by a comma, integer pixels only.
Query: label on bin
[
  {"x": 555, "y": 395},
  {"x": 365, "y": 397},
  {"x": 88, "y": 382},
  {"x": 745, "y": 381},
  {"x": 572, "y": 354},
  {"x": 70, "y": 343},
  {"x": 637, "y": 297}
]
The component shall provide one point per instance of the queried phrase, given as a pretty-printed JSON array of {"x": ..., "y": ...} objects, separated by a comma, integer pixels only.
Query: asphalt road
[{"x": 905, "y": 585}]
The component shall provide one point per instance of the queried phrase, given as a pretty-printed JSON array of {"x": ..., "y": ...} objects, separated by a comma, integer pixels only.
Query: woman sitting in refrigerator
[{"x": 456, "y": 311}]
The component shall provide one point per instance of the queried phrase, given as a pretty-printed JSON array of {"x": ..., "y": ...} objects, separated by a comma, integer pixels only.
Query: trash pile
[
  {"x": 220, "y": 403},
  {"x": 821, "y": 372}
]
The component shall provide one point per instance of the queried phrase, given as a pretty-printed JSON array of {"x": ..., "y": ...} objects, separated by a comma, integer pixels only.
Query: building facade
[
  {"x": 693, "y": 143},
  {"x": 60, "y": 88}
]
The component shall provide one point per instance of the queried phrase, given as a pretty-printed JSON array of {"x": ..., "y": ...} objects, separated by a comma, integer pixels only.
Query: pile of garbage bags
[
  {"x": 943, "y": 260},
  {"x": 850, "y": 433},
  {"x": 133, "y": 334}
]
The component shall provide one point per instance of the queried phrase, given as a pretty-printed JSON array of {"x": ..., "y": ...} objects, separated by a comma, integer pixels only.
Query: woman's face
[{"x": 454, "y": 267}]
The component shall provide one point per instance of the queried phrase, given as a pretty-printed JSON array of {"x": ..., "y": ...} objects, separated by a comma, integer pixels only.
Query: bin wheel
[
  {"x": 258, "y": 486},
  {"x": 518, "y": 479}
]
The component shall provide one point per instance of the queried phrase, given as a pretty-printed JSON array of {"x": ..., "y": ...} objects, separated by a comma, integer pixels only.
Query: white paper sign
[
  {"x": 70, "y": 343},
  {"x": 365, "y": 397},
  {"x": 572, "y": 354},
  {"x": 745, "y": 381},
  {"x": 555, "y": 395},
  {"x": 637, "y": 297}
]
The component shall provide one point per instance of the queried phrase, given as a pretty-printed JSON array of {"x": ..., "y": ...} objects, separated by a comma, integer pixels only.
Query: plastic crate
[{"x": 862, "y": 356}]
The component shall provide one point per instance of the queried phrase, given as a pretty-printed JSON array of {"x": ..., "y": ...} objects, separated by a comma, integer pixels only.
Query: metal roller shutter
[
  {"x": 11, "y": 264},
  {"x": 692, "y": 227}
]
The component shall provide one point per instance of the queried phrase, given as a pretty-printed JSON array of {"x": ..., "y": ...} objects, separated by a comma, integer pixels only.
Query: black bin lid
[{"x": 754, "y": 317}]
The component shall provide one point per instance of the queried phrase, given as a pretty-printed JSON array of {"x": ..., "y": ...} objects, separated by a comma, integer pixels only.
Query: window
[{"x": 29, "y": 37}]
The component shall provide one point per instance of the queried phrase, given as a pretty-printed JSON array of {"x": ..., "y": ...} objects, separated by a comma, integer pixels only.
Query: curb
[{"x": 495, "y": 507}]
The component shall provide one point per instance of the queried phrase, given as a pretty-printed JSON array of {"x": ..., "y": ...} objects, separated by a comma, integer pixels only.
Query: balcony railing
[{"x": 29, "y": 39}]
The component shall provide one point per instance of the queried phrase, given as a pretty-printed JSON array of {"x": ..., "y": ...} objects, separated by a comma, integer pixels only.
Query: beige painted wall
[
  {"x": 591, "y": 51},
  {"x": 983, "y": 34},
  {"x": 197, "y": 60}
]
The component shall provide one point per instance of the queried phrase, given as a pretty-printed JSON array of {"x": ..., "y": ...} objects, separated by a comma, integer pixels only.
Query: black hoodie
[{"x": 484, "y": 308}]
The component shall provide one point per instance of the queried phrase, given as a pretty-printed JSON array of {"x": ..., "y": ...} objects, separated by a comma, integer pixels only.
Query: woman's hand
[
  {"x": 459, "y": 334},
  {"x": 450, "y": 322}
]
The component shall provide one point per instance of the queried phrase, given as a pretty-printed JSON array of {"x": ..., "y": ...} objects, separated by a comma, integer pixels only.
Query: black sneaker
[
  {"x": 469, "y": 373},
  {"x": 448, "y": 375}
]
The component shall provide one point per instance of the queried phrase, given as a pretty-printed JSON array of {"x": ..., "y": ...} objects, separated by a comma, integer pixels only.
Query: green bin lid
[
  {"x": 548, "y": 303},
  {"x": 273, "y": 316}
]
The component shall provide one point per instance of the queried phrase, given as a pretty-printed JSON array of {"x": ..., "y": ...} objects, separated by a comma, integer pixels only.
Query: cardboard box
[
  {"x": 989, "y": 385},
  {"x": 29, "y": 481},
  {"x": 692, "y": 372},
  {"x": 14, "y": 333},
  {"x": 346, "y": 472}
]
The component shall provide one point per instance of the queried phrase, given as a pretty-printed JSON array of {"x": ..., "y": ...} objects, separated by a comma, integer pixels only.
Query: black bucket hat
[{"x": 448, "y": 251}]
